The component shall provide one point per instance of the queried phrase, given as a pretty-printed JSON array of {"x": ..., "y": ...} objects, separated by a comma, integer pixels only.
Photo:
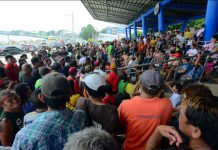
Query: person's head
[
  {"x": 48, "y": 61},
  {"x": 74, "y": 64},
  {"x": 185, "y": 60},
  {"x": 94, "y": 85},
  {"x": 55, "y": 91},
  {"x": 177, "y": 87},
  {"x": 35, "y": 61},
  {"x": 56, "y": 66},
  {"x": 123, "y": 77},
  {"x": 9, "y": 59},
  {"x": 108, "y": 89},
  {"x": 23, "y": 90},
  {"x": 43, "y": 71},
  {"x": 87, "y": 69},
  {"x": 60, "y": 60},
  {"x": 24, "y": 56},
  {"x": 151, "y": 83},
  {"x": 113, "y": 67},
  {"x": 214, "y": 39},
  {"x": 34, "y": 98},
  {"x": 120, "y": 97},
  {"x": 72, "y": 71},
  {"x": 9, "y": 100},
  {"x": 199, "y": 118},
  {"x": 90, "y": 139},
  {"x": 193, "y": 46},
  {"x": 27, "y": 69},
  {"x": 197, "y": 90}
]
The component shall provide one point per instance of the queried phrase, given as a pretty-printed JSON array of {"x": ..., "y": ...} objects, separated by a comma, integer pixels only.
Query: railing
[{"x": 171, "y": 60}]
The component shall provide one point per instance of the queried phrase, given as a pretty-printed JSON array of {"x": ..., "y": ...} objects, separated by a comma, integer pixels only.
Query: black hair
[
  {"x": 43, "y": 71},
  {"x": 56, "y": 103},
  {"x": 21, "y": 90},
  {"x": 35, "y": 100},
  {"x": 73, "y": 63},
  {"x": 123, "y": 77},
  {"x": 109, "y": 88},
  {"x": 35, "y": 60},
  {"x": 178, "y": 86},
  {"x": 99, "y": 93},
  {"x": 203, "y": 114},
  {"x": 67, "y": 58},
  {"x": 56, "y": 66},
  {"x": 120, "y": 97},
  {"x": 8, "y": 56}
]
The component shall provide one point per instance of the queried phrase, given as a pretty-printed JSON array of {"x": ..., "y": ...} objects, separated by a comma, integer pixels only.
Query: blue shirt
[{"x": 50, "y": 131}]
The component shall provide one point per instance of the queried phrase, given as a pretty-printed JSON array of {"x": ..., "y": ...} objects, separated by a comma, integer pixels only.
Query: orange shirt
[
  {"x": 140, "y": 118},
  {"x": 141, "y": 47}
]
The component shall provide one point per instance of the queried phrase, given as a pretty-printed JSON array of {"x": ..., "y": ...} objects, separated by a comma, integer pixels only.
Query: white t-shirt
[
  {"x": 199, "y": 32},
  {"x": 82, "y": 60},
  {"x": 175, "y": 99},
  {"x": 192, "y": 52}
]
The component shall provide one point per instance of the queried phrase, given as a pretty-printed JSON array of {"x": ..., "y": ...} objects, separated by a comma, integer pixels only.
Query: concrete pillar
[
  {"x": 161, "y": 21},
  {"x": 144, "y": 28},
  {"x": 126, "y": 33},
  {"x": 135, "y": 30},
  {"x": 211, "y": 21},
  {"x": 130, "y": 36}
]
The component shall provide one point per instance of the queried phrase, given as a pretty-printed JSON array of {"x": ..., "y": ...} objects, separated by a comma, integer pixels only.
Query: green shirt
[
  {"x": 109, "y": 49},
  {"x": 38, "y": 83},
  {"x": 122, "y": 86}
]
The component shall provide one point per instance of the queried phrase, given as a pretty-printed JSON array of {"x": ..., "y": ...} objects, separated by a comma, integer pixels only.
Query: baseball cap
[
  {"x": 55, "y": 85},
  {"x": 72, "y": 70},
  {"x": 94, "y": 81},
  {"x": 151, "y": 80}
]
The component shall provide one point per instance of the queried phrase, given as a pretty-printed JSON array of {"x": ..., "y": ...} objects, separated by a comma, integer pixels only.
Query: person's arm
[
  {"x": 168, "y": 85},
  {"x": 161, "y": 131},
  {"x": 6, "y": 133}
]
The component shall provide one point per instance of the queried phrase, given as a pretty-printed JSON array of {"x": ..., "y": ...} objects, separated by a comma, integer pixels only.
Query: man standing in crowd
[
  {"x": 142, "y": 114},
  {"x": 36, "y": 64},
  {"x": 12, "y": 68},
  {"x": 51, "y": 130}
]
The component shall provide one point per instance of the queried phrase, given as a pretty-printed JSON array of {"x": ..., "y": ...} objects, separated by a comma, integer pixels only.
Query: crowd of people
[{"x": 117, "y": 95}]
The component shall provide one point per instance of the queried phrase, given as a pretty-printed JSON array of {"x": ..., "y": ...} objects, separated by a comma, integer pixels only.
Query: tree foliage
[
  {"x": 87, "y": 31},
  {"x": 191, "y": 24}
]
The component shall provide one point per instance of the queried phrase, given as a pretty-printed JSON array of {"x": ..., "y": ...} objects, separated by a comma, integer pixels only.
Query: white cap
[{"x": 94, "y": 81}]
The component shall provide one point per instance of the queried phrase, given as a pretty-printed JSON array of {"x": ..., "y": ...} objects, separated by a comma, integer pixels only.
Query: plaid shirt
[{"x": 50, "y": 131}]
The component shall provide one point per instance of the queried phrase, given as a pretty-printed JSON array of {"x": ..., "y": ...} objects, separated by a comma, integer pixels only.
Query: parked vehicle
[{"x": 12, "y": 50}]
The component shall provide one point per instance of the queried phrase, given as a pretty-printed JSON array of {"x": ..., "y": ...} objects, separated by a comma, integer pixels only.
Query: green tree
[{"x": 87, "y": 31}]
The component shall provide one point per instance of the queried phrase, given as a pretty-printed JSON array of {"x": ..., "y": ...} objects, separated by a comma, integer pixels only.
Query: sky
[{"x": 46, "y": 16}]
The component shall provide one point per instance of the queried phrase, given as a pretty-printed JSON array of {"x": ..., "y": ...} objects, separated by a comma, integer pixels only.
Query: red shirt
[
  {"x": 113, "y": 79},
  {"x": 13, "y": 71},
  {"x": 76, "y": 88},
  {"x": 110, "y": 99}
]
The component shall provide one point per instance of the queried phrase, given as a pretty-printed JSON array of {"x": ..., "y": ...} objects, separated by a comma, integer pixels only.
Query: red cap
[{"x": 72, "y": 70}]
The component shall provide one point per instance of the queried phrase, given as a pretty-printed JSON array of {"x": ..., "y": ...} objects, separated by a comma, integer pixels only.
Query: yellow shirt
[
  {"x": 187, "y": 35},
  {"x": 72, "y": 103},
  {"x": 153, "y": 43},
  {"x": 130, "y": 89}
]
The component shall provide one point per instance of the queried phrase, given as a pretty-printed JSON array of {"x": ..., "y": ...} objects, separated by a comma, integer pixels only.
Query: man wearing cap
[
  {"x": 100, "y": 115},
  {"x": 142, "y": 114},
  {"x": 51, "y": 130}
]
